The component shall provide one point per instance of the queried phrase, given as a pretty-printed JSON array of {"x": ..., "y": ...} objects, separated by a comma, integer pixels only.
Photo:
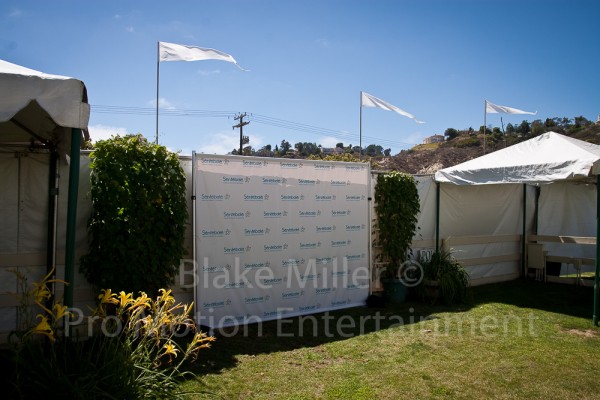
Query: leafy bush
[
  {"x": 138, "y": 223},
  {"x": 470, "y": 142},
  {"x": 135, "y": 354},
  {"x": 444, "y": 276},
  {"x": 397, "y": 207}
]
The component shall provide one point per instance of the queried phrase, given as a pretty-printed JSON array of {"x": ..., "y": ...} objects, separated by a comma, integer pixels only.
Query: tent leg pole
[
  {"x": 437, "y": 217},
  {"x": 72, "y": 217},
  {"x": 524, "y": 238},
  {"x": 597, "y": 277},
  {"x": 51, "y": 237}
]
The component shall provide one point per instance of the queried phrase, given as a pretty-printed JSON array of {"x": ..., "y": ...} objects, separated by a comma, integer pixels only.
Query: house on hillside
[{"x": 433, "y": 139}]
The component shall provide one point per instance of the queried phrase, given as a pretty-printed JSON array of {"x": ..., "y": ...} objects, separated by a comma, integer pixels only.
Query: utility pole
[{"x": 243, "y": 140}]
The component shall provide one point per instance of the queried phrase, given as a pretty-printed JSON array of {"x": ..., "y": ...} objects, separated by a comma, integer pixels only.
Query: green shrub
[
  {"x": 139, "y": 213},
  {"x": 444, "y": 276},
  {"x": 470, "y": 142}
]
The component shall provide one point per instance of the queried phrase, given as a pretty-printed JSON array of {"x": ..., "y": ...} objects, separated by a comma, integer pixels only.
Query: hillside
[{"x": 427, "y": 159}]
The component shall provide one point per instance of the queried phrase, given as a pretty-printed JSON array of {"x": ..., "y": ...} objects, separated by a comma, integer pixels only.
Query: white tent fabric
[
  {"x": 29, "y": 97},
  {"x": 563, "y": 168},
  {"x": 547, "y": 158}
]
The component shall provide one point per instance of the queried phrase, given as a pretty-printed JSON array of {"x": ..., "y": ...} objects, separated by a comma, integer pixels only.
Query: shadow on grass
[{"x": 318, "y": 329}]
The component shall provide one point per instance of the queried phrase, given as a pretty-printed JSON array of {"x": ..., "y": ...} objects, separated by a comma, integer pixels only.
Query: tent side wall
[
  {"x": 23, "y": 231},
  {"x": 483, "y": 225}
]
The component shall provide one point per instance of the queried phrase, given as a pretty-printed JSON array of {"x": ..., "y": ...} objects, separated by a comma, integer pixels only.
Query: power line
[{"x": 258, "y": 118}]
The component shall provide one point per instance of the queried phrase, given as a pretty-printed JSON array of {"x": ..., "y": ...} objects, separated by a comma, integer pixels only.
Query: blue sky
[{"x": 308, "y": 60}]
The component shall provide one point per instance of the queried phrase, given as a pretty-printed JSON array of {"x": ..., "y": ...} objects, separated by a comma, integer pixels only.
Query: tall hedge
[{"x": 139, "y": 214}]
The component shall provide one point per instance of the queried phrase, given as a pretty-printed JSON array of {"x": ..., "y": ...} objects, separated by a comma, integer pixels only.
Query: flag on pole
[
  {"x": 371, "y": 101},
  {"x": 496, "y": 109},
  {"x": 181, "y": 52}
]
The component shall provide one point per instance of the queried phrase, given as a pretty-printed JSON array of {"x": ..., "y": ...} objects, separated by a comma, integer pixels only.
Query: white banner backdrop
[{"x": 279, "y": 237}]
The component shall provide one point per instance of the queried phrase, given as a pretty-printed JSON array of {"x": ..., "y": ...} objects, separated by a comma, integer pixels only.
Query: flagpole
[
  {"x": 157, "y": 82},
  {"x": 484, "y": 123},
  {"x": 360, "y": 129}
]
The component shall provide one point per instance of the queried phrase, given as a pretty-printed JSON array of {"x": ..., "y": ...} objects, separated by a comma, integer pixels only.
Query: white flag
[
  {"x": 181, "y": 52},
  {"x": 371, "y": 101},
  {"x": 495, "y": 109}
]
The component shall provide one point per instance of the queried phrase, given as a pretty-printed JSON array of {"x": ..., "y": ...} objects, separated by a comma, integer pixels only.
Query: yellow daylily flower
[
  {"x": 170, "y": 351},
  {"x": 44, "y": 328},
  {"x": 125, "y": 299},
  {"x": 142, "y": 300},
  {"x": 60, "y": 311},
  {"x": 107, "y": 296},
  {"x": 41, "y": 293}
]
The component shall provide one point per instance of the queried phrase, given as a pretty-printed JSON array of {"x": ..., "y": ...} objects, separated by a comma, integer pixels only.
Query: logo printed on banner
[
  {"x": 340, "y": 303},
  {"x": 235, "y": 285},
  {"x": 257, "y": 299},
  {"x": 324, "y": 166},
  {"x": 235, "y": 250},
  {"x": 354, "y": 257},
  {"x": 340, "y": 243},
  {"x": 292, "y": 230},
  {"x": 274, "y": 214},
  {"x": 292, "y": 262},
  {"x": 309, "y": 277},
  {"x": 309, "y": 213},
  {"x": 214, "y": 161},
  {"x": 273, "y": 180},
  {"x": 325, "y": 228},
  {"x": 214, "y": 197},
  {"x": 322, "y": 291},
  {"x": 273, "y": 281},
  {"x": 235, "y": 179},
  {"x": 350, "y": 197},
  {"x": 216, "y": 304},
  {"x": 215, "y": 232},
  {"x": 215, "y": 268},
  {"x": 309, "y": 245},
  {"x": 253, "y": 163},
  {"x": 339, "y": 183},
  {"x": 290, "y": 165},
  {"x": 354, "y": 228},
  {"x": 309, "y": 308},
  {"x": 310, "y": 182},
  {"x": 340, "y": 213},
  {"x": 256, "y": 231},
  {"x": 292, "y": 295},
  {"x": 324, "y": 260},
  {"x": 256, "y": 197},
  {"x": 292, "y": 197},
  {"x": 235, "y": 214},
  {"x": 269, "y": 248},
  {"x": 355, "y": 168},
  {"x": 257, "y": 265},
  {"x": 275, "y": 314},
  {"x": 324, "y": 197}
]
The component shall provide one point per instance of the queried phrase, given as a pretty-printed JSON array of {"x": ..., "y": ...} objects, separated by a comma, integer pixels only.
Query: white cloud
[
  {"x": 162, "y": 103},
  {"x": 103, "y": 132},
  {"x": 117, "y": 16},
  {"x": 329, "y": 141},
  {"x": 130, "y": 29},
  {"x": 322, "y": 42},
  {"x": 15, "y": 13},
  {"x": 220, "y": 143}
]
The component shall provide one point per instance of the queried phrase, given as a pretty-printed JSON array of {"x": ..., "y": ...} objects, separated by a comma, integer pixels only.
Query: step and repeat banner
[{"x": 278, "y": 237}]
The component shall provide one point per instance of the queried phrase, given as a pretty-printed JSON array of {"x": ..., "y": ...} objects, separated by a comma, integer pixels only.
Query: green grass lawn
[{"x": 514, "y": 340}]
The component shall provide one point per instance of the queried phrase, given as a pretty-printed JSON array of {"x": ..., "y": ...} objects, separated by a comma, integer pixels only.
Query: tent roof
[
  {"x": 544, "y": 159},
  {"x": 39, "y": 105}
]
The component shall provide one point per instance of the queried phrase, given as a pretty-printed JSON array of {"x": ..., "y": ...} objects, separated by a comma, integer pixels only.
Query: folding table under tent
[
  {"x": 566, "y": 171},
  {"x": 50, "y": 113}
]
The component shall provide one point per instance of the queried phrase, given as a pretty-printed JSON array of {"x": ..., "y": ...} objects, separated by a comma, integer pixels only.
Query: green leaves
[
  {"x": 397, "y": 207},
  {"x": 139, "y": 214}
]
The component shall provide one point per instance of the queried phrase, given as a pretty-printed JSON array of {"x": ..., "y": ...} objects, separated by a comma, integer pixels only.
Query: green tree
[
  {"x": 450, "y": 133},
  {"x": 139, "y": 215},
  {"x": 285, "y": 147},
  {"x": 374, "y": 150},
  {"x": 387, "y": 152}
]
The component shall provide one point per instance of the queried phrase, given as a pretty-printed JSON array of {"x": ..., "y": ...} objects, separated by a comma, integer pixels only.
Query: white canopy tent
[
  {"x": 569, "y": 164},
  {"x": 50, "y": 112}
]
